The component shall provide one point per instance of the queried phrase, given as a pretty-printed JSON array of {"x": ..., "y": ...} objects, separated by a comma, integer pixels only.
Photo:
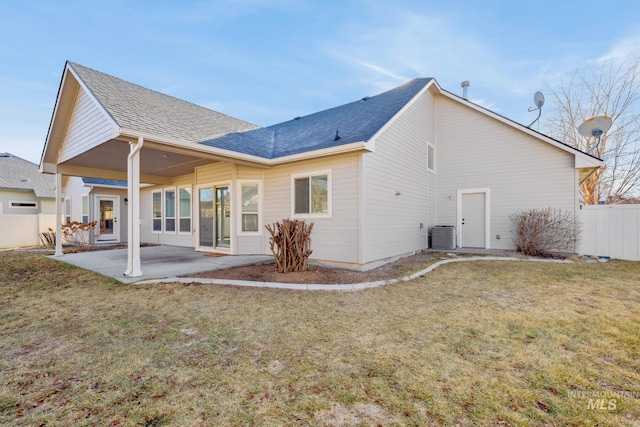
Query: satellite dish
[
  {"x": 538, "y": 100},
  {"x": 595, "y": 126}
]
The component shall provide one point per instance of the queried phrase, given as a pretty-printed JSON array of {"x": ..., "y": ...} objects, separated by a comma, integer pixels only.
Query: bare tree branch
[{"x": 611, "y": 89}]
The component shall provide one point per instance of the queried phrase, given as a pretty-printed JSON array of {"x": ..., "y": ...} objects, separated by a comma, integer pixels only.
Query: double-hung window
[
  {"x": 85, "y": 209},
  {"x": 184, "y": 209},
  {"x": 170, "y": 211},
  {"x": 312, "y": 195},
  {"x": 157, "y": 211},
  {"x": 67, "y": 210},
  {"x": 250, "y": 207}
]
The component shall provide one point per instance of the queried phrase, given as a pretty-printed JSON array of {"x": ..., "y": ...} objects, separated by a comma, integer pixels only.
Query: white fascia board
[
  {"x": 48, "y": 168},
  {"x": 371, "y": 144},
  {"x": 522, "y": 128},
  {"x": 587, "y": 162},
  {"x": 192, "y": 146}
]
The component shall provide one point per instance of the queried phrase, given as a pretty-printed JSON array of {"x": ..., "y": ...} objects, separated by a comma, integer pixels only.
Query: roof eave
[
  {"x": 179, "y": 144},
  {"x": 66, "y": 99},
  {"x": 331, "y": 151}
]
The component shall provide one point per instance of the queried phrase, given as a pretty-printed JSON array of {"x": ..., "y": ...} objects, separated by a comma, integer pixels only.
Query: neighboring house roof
[
  {"x": 137, "y": 108},
  {"x": 357, "y": 121},
  {"x": 104, "y": 182},
  {"x": 21, "y": 175}
]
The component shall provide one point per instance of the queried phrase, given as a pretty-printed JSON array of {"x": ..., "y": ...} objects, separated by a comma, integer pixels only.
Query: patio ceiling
[{"x": 159, "y": 163}]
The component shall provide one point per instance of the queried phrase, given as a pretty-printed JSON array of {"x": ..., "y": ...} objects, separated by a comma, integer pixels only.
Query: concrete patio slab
[{"x": 158, "y": 262}]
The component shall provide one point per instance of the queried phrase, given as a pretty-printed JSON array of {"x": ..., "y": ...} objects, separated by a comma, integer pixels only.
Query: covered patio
[
  {"x": 106, "y": 128},
  {"x": 159, "y": 262}
]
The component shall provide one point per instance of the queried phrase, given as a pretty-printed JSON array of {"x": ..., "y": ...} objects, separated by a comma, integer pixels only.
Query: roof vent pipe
[{"x": 464, "y": 85}]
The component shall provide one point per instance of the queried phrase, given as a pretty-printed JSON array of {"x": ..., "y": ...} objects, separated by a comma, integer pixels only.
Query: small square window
[{"x": 312, "y": 195}]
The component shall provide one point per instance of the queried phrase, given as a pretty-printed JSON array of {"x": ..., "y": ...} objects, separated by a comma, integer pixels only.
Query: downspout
[{"x": 133, "y": 209}]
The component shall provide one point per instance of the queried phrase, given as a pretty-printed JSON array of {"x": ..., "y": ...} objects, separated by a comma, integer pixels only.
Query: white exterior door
[
  {"x": 472, "y": 221},
  {"x": 107, "y": 212}
]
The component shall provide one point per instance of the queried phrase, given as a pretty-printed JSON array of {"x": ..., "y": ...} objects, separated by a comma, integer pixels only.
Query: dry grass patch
[{"x": 482, "y": 343}]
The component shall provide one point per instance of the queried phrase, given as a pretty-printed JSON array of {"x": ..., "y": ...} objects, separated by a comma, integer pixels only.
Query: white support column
[
  {"x": 133, "y": 209},
  {"x": 58, "y": 215}
]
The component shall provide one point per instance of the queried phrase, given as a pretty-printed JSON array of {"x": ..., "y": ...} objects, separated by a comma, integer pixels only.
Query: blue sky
[{"x": 267, "y": 61}]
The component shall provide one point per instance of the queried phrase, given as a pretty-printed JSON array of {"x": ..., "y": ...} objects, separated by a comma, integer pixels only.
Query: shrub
[
  {"x": 543, "y": 232},
  {"x": 48, "y": 238},
  {"x": 78, "y": 234},
  {"x": 290, "y": 244}
]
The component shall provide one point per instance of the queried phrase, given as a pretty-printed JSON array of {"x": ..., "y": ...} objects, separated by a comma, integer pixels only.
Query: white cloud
[{"x": 623, "y": 48}]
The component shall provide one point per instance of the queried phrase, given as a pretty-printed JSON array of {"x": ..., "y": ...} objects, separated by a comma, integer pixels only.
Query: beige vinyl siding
[
  {"x": 399, "y": 164},
  {"x": 333, "y": 239},
  {"x": 475, "y": 151},
  {"x": 89, "y": 126},
  {"x": 217, "y": 173}
]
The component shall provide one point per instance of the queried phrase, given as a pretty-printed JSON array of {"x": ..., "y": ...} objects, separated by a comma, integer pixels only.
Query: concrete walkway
[
  {"x": 344, "y": 287},
  {"x": 158, "y": 262},
  {"x": 163, "y": 264}
]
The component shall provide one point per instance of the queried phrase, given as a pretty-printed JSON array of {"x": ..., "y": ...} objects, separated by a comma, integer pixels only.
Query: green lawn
[{"x": 470, "y": 344}]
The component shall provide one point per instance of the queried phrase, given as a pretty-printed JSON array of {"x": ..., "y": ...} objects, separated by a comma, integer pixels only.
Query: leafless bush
[
  {"x": 48, "y": 238},
  {"x": 543, "y": 232},
  {"x": 290, "y": 243},
  {"x": 78, "y": 234}
]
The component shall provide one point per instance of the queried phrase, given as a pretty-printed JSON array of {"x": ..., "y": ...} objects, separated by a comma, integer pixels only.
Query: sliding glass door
[
  {"x": 223, "y": 217},
  {"x": 214, "y": 228}
]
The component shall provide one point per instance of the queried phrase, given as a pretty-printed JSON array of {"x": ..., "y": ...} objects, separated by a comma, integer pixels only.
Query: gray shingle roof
[
  {"x": 137, "y": 108},
  {"x": 355, "y": 122},
  {"x": 22, "y": 175}
]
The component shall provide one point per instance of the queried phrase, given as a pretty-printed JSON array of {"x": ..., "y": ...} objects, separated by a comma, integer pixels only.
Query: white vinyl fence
[
  {"x": 23, "y": 230},
  {"x": 611, "y": 230}
]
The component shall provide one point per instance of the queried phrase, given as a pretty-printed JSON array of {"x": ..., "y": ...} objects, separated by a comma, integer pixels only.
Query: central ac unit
[{"x": 443, "y": 237}]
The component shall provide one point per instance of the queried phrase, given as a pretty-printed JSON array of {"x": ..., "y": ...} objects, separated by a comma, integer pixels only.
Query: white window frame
[
  {"x": 179, "y": 216},
  {"x": 240, "y": 212},
  {"x": 154, "y": 218},
  {"x": 309, "y": 175},
  {"x": 82, "y": 209},
  {"x": 164, "y": 210},
  {"x": 431, "y": 158},
  {"x": 12, "y": 204},
  {"x": 67, "y": 210}
]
